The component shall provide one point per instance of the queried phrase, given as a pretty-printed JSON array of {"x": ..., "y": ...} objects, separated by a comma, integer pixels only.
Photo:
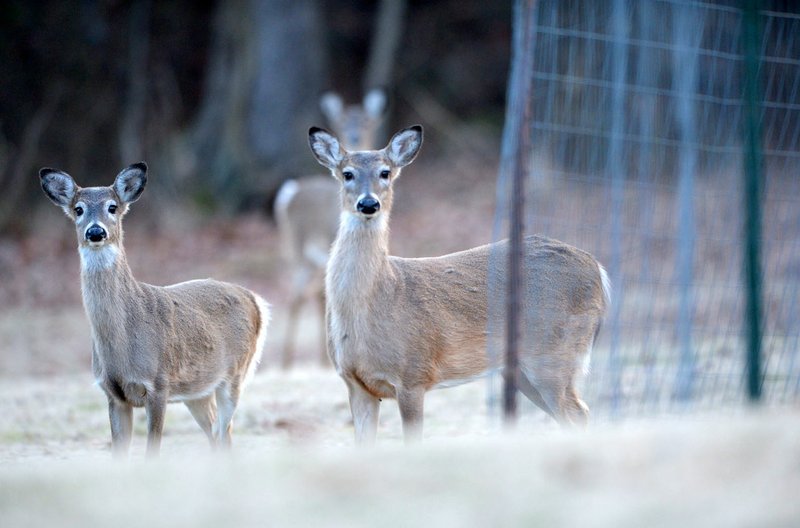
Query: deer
[
  {"x": 400, "y": 327},
  {"x": 196, "y": 342},
  {"x": 307, "y": 211}
]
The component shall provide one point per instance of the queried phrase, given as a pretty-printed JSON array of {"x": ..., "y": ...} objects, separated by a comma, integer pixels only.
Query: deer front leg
[
  {"x": 365, "y": 409},
  {"x": 156, "y": 406},
  {"x": 120, "y": 415},
  {"x": 411, "y": 402}
]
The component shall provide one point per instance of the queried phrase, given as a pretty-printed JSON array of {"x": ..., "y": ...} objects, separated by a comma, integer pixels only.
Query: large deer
[
  {"x": 197, "y": 342},
  {"x": 307, "y": 210},
  {"x": 399, "y": 327}
]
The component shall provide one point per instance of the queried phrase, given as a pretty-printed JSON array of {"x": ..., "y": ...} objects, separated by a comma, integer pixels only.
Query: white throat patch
[
  {"x": 350, "y": 222},
  {"x": 98, "y": 259}
]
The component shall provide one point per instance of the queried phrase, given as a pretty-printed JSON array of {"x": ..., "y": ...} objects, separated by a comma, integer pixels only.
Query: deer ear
[
  {"x": 58, "y": 186},
  {"x": 331, "y": 105},
  {"x": 404, "y": 146},
  {"x": 130, "y": 182},
  {"x": 375, "y": 102},
  {"x": 325, "y": 147}
]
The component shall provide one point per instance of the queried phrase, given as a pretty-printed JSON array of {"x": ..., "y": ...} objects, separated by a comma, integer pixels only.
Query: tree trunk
[{"x": 264, "y": 75}]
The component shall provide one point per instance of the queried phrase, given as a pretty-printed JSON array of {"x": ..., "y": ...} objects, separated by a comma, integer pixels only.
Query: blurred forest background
[{"x": 217, "y": 96}]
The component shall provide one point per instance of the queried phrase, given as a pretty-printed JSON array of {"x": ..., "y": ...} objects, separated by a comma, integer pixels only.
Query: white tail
[
  {"x": 307, "y": 210},
  {"x": 399, "y": 327},
  {"x": 197, "y": 342}
]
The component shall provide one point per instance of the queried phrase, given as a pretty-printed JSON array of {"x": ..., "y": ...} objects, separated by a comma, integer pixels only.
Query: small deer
[
  {"x": 197, "y": 342},
  {"x": 399, "y": 327},
  {"x": 307, "y": 210}
]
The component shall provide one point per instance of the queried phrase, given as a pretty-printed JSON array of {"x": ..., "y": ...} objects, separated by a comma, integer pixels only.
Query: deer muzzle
[
  {"x": 368, "y": 205},
  {"x": 95, "y": 234}
]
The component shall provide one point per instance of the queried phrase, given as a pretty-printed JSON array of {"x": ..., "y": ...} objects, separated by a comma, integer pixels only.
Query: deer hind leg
[
  {"x": 546, "y": 382},
  {"x": 301, "y": 278},
  {"x": 291, "y": 329},
  {"x": 204, "y": 411},
  {"x": 227, "y": 396},
  {"x": 577, "y": 410},
  {"x": 533, "y": 394},
  {"x": 411, "y": 403},
  {"x": 365, "y": 409},
  {"x": 559, "y": 396}
]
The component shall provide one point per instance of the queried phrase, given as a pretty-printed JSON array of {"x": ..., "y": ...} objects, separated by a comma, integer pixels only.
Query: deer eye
[
  {"x": 347, "y": 175},
  {"x": 112, "y": 208},
  {"x": 78, "y": 211},
  {"x": 385, "y": 174}
]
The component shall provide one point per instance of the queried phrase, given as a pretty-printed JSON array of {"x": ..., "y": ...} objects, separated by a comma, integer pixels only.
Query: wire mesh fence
[{"x": 636, "y": 156}]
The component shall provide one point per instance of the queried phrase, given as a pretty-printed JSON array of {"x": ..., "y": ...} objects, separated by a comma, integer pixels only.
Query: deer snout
[
  {"x": 368, "y": 205},
  {"x": 95, "y": 233}
]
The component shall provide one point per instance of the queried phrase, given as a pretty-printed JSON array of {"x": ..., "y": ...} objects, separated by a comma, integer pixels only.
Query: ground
[{"x": 293, "y": 464}]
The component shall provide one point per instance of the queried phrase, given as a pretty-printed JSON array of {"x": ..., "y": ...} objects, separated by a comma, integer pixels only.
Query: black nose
[
  {"x": 368, "y": 205},
  {"x": 95, "y": 234}
]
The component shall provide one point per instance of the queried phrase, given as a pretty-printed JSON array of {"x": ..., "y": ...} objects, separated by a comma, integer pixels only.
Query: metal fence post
[
  {"x": 516, "y": 139},
  {"x": 751, "y": 43}
]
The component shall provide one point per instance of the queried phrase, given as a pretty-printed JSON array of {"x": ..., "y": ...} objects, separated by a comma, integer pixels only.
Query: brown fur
[
  {"x": 195, "y": 341},
  {"x": 399, "y": 327}
]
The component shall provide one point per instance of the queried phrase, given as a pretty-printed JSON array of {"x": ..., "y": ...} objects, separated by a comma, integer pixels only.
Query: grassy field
[{"x": 293, "y": 464}]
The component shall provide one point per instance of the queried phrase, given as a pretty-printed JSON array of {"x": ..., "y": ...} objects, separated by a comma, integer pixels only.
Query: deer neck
[
  {"x": 359, "y": 258},
  {"x": 108, "y": 289}
]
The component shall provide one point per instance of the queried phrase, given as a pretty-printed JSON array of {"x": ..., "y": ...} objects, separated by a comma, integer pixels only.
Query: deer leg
[
  {"x": 156, "y": 406},
  {"x": 533, "y": 394},
  {"x": 568, "y": 408},
  {"x": 227, "y": 399},
  {"x": 411, "y": 403},
  {"x": 365, "y": 409},
  {"x": 552, "y": 395},
  {"x": 121, "y": 417},
  {"x": 204, "y": 411},
  {"x": 300, "y": 283},
  {"x": 291, "y": 326},
  {"x": 577, "y": 410}
]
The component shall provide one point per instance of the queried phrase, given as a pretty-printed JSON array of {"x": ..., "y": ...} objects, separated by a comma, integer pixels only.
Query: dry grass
[{"x": 292, "y": 466}]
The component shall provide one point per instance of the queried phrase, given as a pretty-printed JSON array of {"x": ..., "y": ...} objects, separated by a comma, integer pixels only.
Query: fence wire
[{"x": 637, "y": 157}]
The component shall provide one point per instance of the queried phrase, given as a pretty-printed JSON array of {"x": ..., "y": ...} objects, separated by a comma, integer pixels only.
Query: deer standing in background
[
  {"x": 197, "y": 342},
  {"x": 307, "y": 211},
  {"x": 399, "y": 327}
]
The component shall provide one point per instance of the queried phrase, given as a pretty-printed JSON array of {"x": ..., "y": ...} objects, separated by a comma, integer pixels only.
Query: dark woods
[{"x": 217, "y": 96}]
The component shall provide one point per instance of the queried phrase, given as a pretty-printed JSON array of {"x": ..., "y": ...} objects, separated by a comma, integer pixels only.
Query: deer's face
[
  {"x": 96, "y": 211},
  {"x": 356, "y": 128},
  {"x": 356, "y": 125},
  {"x": 366, "y": 179},
  {"x": 366, "y": 176}
]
